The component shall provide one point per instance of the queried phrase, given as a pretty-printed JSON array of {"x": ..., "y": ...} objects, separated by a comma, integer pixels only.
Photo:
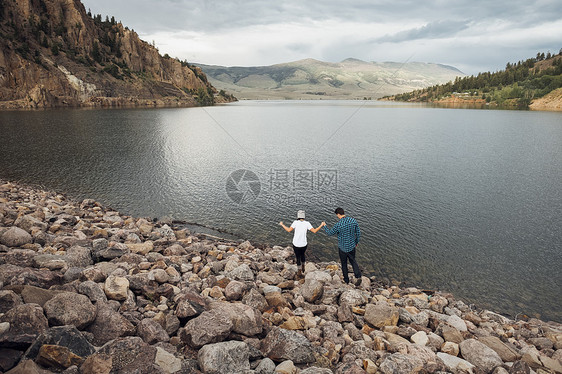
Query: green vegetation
[{"x": 515, "y": 86}]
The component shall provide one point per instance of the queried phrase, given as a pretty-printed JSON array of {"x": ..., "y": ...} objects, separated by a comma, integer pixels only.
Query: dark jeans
[
  {"x": 344, "y": 256},
  {"x": 299, "y": 254}
]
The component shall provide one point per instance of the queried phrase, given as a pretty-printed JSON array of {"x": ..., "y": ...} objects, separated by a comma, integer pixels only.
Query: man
[{"x": 348, "y": 233}]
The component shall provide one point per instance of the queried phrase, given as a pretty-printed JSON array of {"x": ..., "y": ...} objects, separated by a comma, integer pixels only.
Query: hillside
[
  {"x": 54, "y": 54},
  {"x": 313, "y": 79},
  {"x": 531, "y": 84}
]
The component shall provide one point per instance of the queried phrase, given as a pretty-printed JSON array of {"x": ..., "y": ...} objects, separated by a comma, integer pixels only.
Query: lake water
[{"x": 466, "y": 201}]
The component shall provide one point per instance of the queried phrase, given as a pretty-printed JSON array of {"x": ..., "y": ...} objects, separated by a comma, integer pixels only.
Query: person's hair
[{"x": 339, "y": 211}]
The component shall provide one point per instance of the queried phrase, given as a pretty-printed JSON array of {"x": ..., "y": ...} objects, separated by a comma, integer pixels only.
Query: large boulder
[
  {"x": 15, "y": 237},
  {"x": 190, "y": 304},
  {"x": 255, "y": 299},
  {"x": 225, "y": 357},
  {"x": 312, "y": 290},
  {"x": 110, "y": 325},
  {"x": 280, "y": 345},
  {"x": 151, "y": 331},
  {"x": 455, "y": 364},
  {"x": 246, "y": 320},
  {"x": 116, "y": 288},
  {"x": 69, "y": 308},
  {"x": 131, "y": 355},
  {"x": 480, "y": 355},
  {"x": 401, "y": 363},
  {"x": 507, "y": 353},
  {"x": 241, "y": 273},
  {"x": 8, "y": 300},
  {"x": 62, "y": 336},
  {"x": 381, "y": 314},
  {"x": 353, "y": 297},
  {"x": 210, "y": 327},
  {"x": 25, "y": 323}
]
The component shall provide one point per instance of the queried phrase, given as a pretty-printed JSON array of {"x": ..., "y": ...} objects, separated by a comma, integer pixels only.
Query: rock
[
  {"x": 9, "y": 358},
  {"x": 15, "y": 237},
  {"x": 506, "y": 352},
  {"x": 62, "y": 336},
  {"x": 241, "y": 273},
  {"x": 276, "y": 300},
  {"x": 500, "y": 370},
  {"x": 190, "y": 304},
  {"x": 8, "y": 300},
  {"x": 519, "y": 367},
  {"x": 541, "y": 343},
  {"x": 286, "y": 367},
  {"x": 69, "y": 308},
  {"x": 480, "y": 355},
  {"x": 209, "y": 327},
  {"x": 25, "y": 322},
  {"x": 450, "y": 348},
  {"x": 97, "y": 363},
  {"x": 420, "y": 338},
  {"x": 234, "y": 290},
  {"x": 110, "y": 325},
  {"x": 457, "y": 322},
  {"x": 455, "y": 364},
  {"x": 401, "y": 363},
  {"x": 131, "y": 355},
  {"x": 449, "y": 333},
  {"x": 312, "y": 290},
  {"x": 167, "y": 361},
  {"x": 58, "y": 357},
  {"x": 141, "y": 248},
  {"x": 245, "y": 319},
  {"x": 381, "y": 314},
  {"x": 93, "y": 290},
  {"x": 116, "y": 288},
  {"x": 225, "y": 357},
  {"x": 255, "y": 299},
  {"x": 353, "y": 298},
  {"x": 151, "y": 331},
  {"x": 28, "y": 367},
  {"x": 298, "y": 323},
  {"x": 266, "y": 366},
  {"x": 280, "y": 345},
  {"x": 28, "y": 221},
  {"x": 320, "y": 276}
]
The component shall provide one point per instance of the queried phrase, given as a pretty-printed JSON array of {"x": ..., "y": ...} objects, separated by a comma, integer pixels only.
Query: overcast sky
[{"x": 472, "y": 35}]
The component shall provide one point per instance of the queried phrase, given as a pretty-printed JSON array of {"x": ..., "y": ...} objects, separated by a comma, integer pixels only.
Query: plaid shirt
[{"x": 348, "y": 233}]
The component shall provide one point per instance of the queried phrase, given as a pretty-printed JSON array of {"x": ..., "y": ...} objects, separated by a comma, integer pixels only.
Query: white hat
[{"x": 300, "y": 214}]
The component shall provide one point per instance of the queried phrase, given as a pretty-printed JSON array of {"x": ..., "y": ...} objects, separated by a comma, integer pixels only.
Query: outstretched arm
[
  {"x": 332, "y": 231},
  {"x": 288, "y": 229},
  {"x": 318, "y": 228}
]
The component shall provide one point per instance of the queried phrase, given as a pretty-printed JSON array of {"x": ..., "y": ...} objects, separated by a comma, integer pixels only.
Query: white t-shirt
[{"x": 301, "y": 227}]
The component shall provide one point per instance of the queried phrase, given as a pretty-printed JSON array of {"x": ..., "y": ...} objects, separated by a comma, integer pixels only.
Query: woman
[{"x": 299, "y": 239}]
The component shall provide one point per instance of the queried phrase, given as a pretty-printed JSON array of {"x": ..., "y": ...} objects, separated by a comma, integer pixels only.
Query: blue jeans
[{"x": 344, "y": 256}]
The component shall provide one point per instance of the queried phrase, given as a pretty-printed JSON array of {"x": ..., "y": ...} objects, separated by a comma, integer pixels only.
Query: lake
[{"x": 460, "y": 200}]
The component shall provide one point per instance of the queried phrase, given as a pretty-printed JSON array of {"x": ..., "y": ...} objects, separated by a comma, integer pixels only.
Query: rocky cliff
[{"x": 55, "y": 54}]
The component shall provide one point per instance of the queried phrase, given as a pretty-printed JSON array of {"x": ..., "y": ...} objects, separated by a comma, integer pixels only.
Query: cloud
[{"x": 472, "y": 35}]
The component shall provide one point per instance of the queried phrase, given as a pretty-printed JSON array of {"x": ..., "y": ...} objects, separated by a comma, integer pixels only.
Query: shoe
[
  {"x": 299, "y": 274},
  {"x": 358, "y": 282}
]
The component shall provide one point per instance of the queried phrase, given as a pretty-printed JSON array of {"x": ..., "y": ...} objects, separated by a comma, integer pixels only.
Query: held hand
[
  {"x": 323, "y": 224},
  {"x": 281, "y": 223}
]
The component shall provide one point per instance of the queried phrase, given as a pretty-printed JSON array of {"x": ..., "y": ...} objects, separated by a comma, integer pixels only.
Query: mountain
[
  {"x": 535, "y": 83},
  {"x": 55, "y": 54},
  {"x": 313, "y": 79}
]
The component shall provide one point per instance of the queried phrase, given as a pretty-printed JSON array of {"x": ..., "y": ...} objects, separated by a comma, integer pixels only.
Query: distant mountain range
[{"x": 313, "y": 79}]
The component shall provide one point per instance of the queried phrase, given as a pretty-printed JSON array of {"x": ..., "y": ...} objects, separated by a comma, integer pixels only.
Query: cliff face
[{"x": 54, "y": 54}]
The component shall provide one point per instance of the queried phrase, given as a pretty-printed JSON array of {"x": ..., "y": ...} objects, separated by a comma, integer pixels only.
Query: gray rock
[
  {"x": 312, "y": 290},
  {"x": 209, "y": 327},
  {"x": 381, "y": 314},
  {"x": 15, "y": 237},
  {"x": 131, "y": 355},
  {"x": 167, "y": 361},
  {"x": 69, "y": 308},
  {"x": 245, "y": 319},
  {"x": 151, "y": 331},
  {"x": 28, "y": 221},
  {"x": 519, "y": 367},
  {"x": 401, "y": 363},
  {"x": 25, "y": 322},
  {"x": 78, "y": 256},
  {"x": 225, "y": 357},
  {"x": 507, "y": 353},
  {"x": 480, "y": 355},
  {"x": 280, "y": 345},
  {"x": 266, "y": 366},
  {"x": 315, "y": 370},
  {"x": 455, "y": 364},
  {"x": 242, "y": 273},
  {"x": 190, "y": 304},
  {"x": 255, "y": 299},
  {"x": 353, "y": 298},
  {"x": 116, "y": 288},
  {"x": 93, "y": 291},
  {"x": 109, "y": 325}
]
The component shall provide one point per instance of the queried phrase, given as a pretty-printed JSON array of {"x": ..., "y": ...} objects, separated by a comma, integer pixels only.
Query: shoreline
[{"x": 147, "y": 296}]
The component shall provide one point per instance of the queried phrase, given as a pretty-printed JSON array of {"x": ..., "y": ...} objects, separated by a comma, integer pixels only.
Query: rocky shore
[{"x": 85, "y": 289}]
